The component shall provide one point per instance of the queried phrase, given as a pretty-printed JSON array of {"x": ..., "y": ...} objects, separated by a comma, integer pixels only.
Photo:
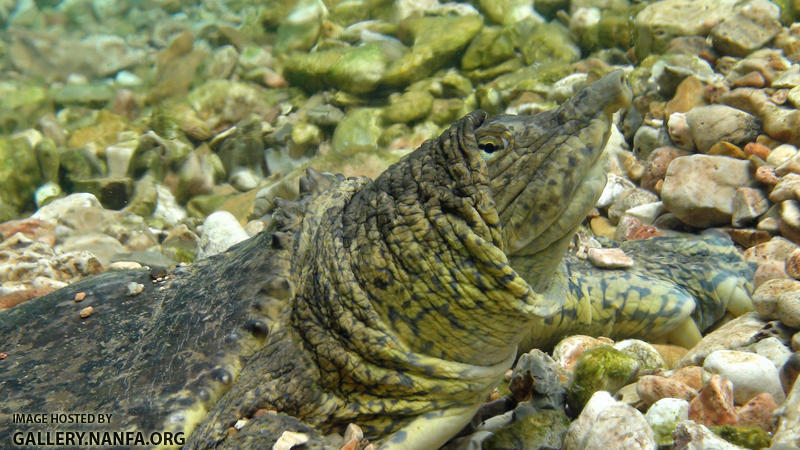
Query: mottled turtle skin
[{"x": 396, "y": 304}]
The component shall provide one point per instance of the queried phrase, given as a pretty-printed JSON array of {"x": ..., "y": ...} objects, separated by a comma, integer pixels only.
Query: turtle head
[{"x": 545, "y": 172}]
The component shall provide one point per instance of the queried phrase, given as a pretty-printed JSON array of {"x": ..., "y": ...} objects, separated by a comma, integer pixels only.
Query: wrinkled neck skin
[{"x": 429, "y": 253}]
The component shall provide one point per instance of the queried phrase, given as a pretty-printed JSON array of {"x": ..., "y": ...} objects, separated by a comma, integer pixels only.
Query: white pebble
[{"x": 750, "y": 374}]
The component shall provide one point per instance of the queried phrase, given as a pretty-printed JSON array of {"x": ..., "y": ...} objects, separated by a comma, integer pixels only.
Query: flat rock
[
  {"x": 742, "y": 33},
  {"x": 699, "y": 189},
  {"x": 737, "y": 333},
  {"x": 714, "y": 123},
  {"x": 659, "y": 22}
]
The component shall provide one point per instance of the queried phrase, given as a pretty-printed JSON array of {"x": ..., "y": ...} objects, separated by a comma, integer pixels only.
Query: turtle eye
[{"x": 490, "y": 144}]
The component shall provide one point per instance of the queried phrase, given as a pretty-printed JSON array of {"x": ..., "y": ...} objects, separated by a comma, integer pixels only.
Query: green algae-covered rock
[
  {"x": 301, "y": 28},
  {"x": 144, "y": 197},
  {"x": 544, "y": 42},
  {"x": 21, "y": 104},
  {"x": 548, "y": 8},
  {"x": 660, "y": 22},
  {"x": 508, "y": 11},
  {"x": 358, "y": 131},
  {"x": 20, "y": 175},
  {"x": 748, "y": 437},
  {"x": 538, "y": 78},
  {"x": 543, "y": 429},
  {"x": 445, "y": 111},
  {"x": 353, "y": 69},
  {"x": 602, "y": 368},
  {"x": 93, "y": 93},
  {"x": 492, "y": 46},
  {"x": 648, "y": 357},
  {"x": 224, "y": 102},
  {"x": 613, "y": 30},
  {"x": 432, "y": 47},
  {"x": 408, "y": 107},
  {"x": 48, "y": 157}
]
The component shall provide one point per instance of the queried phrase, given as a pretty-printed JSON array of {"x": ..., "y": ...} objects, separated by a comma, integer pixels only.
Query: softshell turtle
[{"x": 396, "y": 304}]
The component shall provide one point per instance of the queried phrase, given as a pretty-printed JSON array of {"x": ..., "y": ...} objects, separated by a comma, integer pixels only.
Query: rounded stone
[
  {"x": 664, "y": 415},
  {"x": 649, "y": 358},
  {"x": 221, "y": 230},
  {"x": 750, "y": 374}
]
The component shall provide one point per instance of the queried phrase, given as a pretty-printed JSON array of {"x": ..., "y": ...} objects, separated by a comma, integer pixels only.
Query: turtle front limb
[
  {"x": 677, "y": 287},
  {"x": 430, "y": 430}
]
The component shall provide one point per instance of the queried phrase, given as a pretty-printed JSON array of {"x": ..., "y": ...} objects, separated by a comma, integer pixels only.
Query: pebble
[
  {"x": 788, "y": 308},
  {"x": 771, "y": 348},
  {"x": 221, "y": 230},
  {"x": 689, "y": 435},
  {"x": 609, "y": 258},
  {"x": 758, "y": 411},
  {"x": 787, "y": 434},
  {"x": 714, "y": 123},
  {"x": 742, "y": 34},
  {"x": 649, "y": 358},
  {"x": 748, "y": 204},
  {"x": 652, "y": 388},
  {"x": 723, "y": 148},
  {"x": 608, "y": 423},
  {"x": 569, "y": 349},
  {"x": 86, "y": 312},
  {"x": 781, "y": 123},
  {"x": 713, "y": 405},
  {"x": 789, "y": 371},
  {"x": 134, "y": 288},
  {"x": 656, "y": 166},
  {"x": 670, "y": 353},
  {"x": 647, "y": 212},
  {"x": 748, "y": 237},
  {"x": 631, "y": 198},
  {"x": 124, "y": 265},
  {"x": 787, "y": 187},
  {"x": 631, "y": 227},
  {"x": 750, "y": 374},
  {"x": 290, "y": 439},
  {"x": 781, "y": 154},
  {"x": 737, "y": 333},
  {"x": 754, "y": 148},
  {"x": 615, "y": 187},
  {"x": 679, "y": 131},
  {"x": 792, "y": 165},
  {"x": 601, "y": 226},
  {"x": 664, "y": 415},
  {"x": 789, "y": 225},
  {"x": 766, "y": 175},
  {"x": 80, "y": 296},
  {"x": 698, "y": 189},
  {"x": 693, "y": 376}
]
